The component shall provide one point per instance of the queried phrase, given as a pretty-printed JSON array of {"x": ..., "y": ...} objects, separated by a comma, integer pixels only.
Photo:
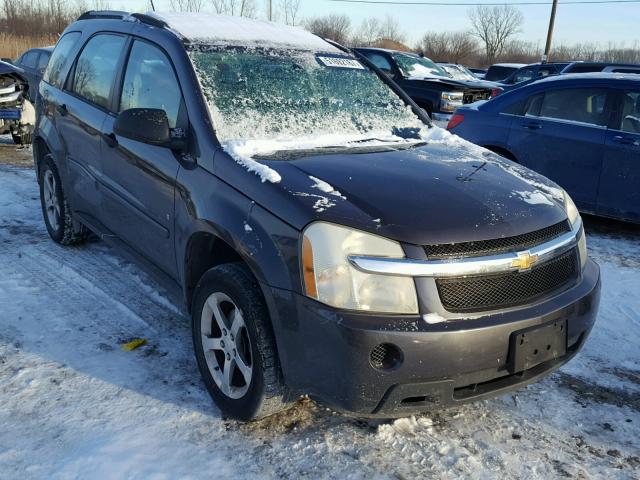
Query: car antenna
[{"x": 153, "y": 7}]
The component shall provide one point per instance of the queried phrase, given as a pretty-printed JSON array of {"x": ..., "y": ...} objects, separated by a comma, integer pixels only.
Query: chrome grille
[{"x": 490, "y": 292}]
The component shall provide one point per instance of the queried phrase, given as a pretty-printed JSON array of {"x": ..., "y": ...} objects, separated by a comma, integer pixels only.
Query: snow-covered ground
[{"x": 73, "y": 404}]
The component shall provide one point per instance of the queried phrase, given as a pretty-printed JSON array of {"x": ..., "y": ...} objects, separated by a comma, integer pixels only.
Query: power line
[{"x": 474, "y": 4}]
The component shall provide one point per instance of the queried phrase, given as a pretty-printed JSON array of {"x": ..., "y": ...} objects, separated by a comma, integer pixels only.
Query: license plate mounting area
[{"x": 532, "y": 346}]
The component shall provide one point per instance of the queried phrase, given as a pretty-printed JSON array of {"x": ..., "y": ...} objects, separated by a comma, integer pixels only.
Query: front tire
[
  {"x": 234, "y": 344},
  {"x": 55, "y": 208}
]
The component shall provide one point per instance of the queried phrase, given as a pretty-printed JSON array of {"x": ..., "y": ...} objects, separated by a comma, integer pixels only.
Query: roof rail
[
  {"x": 103, "y": 14},
  {"x": 149, "y": 20},
  {"x": 119, "y": 15}
]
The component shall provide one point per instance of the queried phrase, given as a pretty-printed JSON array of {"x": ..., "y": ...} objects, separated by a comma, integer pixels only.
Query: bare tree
[
  {"x": 335, "y": 27},
  {"x": 390, "y": 30},
  {"x": 456, "y": 47},
  {"x": 495, "y": 26},
  {"x": 368, "y": 34},
  {"x": 241, "y": 8},
  {"x": 220, "y": 6},
  {"x": 291, "y": 9},
  {"x": 186, "y": 5}
]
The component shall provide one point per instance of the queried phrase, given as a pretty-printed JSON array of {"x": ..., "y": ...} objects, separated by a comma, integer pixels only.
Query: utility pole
[
  {"x": 552, "y": 21},
  {"x": 270, "y": 10}
]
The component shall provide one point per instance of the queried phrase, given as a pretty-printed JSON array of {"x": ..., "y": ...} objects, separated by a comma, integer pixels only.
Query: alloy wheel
[
  {"x": 226, "y": 345},
  {"x": 51, "y": 202}
]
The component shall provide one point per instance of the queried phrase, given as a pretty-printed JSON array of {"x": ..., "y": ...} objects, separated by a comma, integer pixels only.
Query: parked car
[
  {"x": 582, "y": 131},
  {"x": 427, "y": 83},
  {"x": 17, "y": 115},
  {"x": 478, "y": 72},
  {"x": 604, "y": 67},
  {"x": 321, "y": 237},
  {"x": 531, "y": 73},
  {"x": 457, "y": 71},
  {"x": 33, "y": 62},
  {"x": 500, "y": 71}
]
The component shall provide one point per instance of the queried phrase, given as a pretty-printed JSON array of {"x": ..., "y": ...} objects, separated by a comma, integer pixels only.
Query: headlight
[
  {"x": 331, "y": 279},
  {"x": 574, "y": 215},
  {"x": 449, "y": 101},
  {"x": 571, "y": 209}
]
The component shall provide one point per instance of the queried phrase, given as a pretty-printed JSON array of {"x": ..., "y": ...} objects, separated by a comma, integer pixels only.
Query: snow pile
[
  {"x": 209, "y": 28},
  {"x": 325, "y": 187},
  {"x": 433, "y": 318},
  {"x": 534, "y": 198},
  {"x": 244, "y": 152}
]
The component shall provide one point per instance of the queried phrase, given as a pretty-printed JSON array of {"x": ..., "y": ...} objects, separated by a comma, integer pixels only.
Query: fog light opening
[{"x": 385, "y": 356}]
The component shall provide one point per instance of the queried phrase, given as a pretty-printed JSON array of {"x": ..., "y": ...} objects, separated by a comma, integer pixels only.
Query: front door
[
  {"x": 562, "y": 135},
  {"x": 138, "y": 203},
  {"x": 619, "y": 193}
]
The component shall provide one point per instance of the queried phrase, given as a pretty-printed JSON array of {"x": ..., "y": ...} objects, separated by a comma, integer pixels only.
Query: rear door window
[
  {"x": 150, "y": 82},
  {"x": 583, "y": 105},
  {"x": 96, "y": 68},
  {"x": 56, "y": 68},
  {"x": 630, "y": 120}
]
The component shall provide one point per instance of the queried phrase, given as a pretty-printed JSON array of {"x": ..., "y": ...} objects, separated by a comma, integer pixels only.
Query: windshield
[
  {"x": 278, "y": 100},
  {"x": 418, "y": 67},
  {"x": 458, "y": 72}
]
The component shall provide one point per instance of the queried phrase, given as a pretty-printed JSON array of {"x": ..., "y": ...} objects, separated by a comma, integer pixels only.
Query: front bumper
[{"x": 326, "y": 353}]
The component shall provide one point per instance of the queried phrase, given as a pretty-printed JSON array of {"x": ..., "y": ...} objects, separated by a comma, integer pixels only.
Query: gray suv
[{"x": 325, "y": 238}]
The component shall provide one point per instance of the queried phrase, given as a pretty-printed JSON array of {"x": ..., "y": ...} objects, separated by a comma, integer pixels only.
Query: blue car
[{"x": 582, "y": 131}]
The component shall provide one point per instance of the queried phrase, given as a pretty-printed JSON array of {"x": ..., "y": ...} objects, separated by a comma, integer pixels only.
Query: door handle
[
  {"x": 532, "y": 126},
  {"x": 110, "y": 139},
  {"x": 625, "y": 140},
  {"x": 62, "y": 110}
]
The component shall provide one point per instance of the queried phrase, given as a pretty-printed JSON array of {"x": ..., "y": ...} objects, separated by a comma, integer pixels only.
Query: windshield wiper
[{"x": 334, "y": 149}]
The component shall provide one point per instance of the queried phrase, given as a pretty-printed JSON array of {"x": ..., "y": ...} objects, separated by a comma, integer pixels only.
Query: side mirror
[{"x": 147, "y": 125}]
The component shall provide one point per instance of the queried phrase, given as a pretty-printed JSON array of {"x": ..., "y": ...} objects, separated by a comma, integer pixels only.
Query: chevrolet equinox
[{"x": 326, "y": 239}]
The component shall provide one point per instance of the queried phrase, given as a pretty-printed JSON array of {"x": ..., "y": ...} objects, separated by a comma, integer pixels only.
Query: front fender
[{"x": 264, "y": 242}]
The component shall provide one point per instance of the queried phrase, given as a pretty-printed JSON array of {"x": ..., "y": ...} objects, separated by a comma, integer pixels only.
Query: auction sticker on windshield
[{"x": 340, "y": 62}]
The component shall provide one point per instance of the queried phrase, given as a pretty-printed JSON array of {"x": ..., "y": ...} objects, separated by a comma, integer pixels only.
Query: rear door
[
  {"x": 562, "y": 135},
  {"x": 139, "y": 201},
  {"x": 81, "y": 109},
  {"x": 619, "y": 193}
]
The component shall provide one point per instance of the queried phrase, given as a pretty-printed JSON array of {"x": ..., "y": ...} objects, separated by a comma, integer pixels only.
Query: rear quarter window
[{"x": 60, "y": 59}]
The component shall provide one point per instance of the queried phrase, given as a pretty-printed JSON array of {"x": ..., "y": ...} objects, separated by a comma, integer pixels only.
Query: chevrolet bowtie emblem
[{"x": 524, "y": 261}]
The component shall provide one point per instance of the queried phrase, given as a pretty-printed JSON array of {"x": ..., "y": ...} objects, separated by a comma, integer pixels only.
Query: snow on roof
[
  {"x": 213, "y": 28},
  {"x": 509, "y": 65}
]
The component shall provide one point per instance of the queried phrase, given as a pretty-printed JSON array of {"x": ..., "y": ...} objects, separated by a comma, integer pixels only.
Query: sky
[{"x": 602, "y": 23}]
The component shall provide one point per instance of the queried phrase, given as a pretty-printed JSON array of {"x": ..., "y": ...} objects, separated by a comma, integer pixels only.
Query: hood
[
  {"x": 437, "y": 193},
  {"x": 10, "y": 70},
  {"x": 451, "y": 82}
]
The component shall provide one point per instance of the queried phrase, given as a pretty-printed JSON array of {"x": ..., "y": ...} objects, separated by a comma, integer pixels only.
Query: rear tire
[
  {"x": 234, "y": 344},
  {"x": 55, "y": 209}
]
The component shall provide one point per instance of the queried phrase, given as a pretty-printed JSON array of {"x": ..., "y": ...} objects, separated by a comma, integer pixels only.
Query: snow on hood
[
  {"x": 222, "y": 29},
  {"x": 245, "y": 151}
]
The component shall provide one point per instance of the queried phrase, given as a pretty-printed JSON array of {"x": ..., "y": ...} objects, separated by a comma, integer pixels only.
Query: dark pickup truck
[{"x": 428, "y": 84}]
